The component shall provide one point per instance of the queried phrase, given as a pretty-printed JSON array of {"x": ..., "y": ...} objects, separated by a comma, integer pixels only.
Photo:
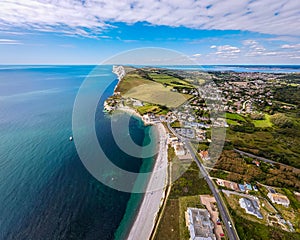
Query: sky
[{"x": 207, "y": 31}]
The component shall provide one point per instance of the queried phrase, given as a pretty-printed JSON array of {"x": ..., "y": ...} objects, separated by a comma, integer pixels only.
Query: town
[{"x": 237, "y": 102}]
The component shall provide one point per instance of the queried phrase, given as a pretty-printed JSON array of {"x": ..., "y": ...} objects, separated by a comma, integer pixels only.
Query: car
[{"x": 229, "y": 223}]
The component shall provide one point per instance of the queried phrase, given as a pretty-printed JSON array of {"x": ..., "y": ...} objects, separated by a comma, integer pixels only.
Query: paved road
[
  {"x": 232, "y": 234},
  {"x": 259, "y": 158}
]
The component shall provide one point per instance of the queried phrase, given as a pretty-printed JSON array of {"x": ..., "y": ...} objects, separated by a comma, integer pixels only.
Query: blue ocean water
[{"x": 45, "y": 191}]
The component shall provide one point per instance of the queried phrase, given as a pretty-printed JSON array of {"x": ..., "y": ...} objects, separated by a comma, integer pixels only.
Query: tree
[{"x": 280, "y": 120}]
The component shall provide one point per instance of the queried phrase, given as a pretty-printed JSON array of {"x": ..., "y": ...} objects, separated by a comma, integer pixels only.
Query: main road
[
  {"x": 232, "y": 234},
  {"x": 231, "y": 231}
]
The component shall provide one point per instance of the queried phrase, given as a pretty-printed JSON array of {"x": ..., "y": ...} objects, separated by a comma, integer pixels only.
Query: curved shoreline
[{"x": 146, "y": 216}]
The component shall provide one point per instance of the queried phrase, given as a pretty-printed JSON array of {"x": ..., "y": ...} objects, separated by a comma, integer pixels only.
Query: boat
[{"x": 71, "y": 138}]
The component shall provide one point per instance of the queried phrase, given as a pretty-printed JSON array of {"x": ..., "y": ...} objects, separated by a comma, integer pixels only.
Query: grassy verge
[
  {"x": 184, "y": 203},
  {"x": 169, "y": 225},
  {"x": 190, "y": 183}
]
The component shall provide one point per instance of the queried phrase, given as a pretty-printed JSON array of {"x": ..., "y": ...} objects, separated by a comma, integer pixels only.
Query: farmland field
[
  {"x": 156, "y": 93},
  {"x": 263, "y": 123}
]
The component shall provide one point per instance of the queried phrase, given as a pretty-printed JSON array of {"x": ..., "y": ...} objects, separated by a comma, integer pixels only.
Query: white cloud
[
  {"x": 226, "y": 51},
  {"x": 228, "y": 48},
  {"x": 291, "y": 46},
  {"x": 254, "y": 48},
  {"x": 197, "y": 55},
  {"x": 213, "y": 46},
  {"x": 9, "y": 42},
  {"x": 90, "y": 17}
]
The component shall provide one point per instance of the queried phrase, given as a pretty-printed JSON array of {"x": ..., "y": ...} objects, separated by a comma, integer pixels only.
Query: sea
[{"x": 45, "y": 191}]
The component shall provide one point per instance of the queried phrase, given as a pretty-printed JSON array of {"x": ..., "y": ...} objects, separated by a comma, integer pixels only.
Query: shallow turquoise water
[{"x": 45, "y": 191}]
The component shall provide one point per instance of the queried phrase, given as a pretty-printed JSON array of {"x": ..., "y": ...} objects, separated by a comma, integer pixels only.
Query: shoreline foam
[{"x": 147, "y": 214}]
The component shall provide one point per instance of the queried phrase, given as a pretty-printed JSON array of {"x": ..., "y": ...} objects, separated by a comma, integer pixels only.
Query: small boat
[{"x": 71, "y": 138}]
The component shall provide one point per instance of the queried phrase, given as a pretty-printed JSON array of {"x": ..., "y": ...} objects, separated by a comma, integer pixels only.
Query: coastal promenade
[{"x": 153, "y": 198}]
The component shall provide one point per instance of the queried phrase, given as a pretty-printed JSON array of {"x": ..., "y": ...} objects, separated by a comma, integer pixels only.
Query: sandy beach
[
  {"x": 155, "y": 193},
  {"x": 153, "y": 199}
]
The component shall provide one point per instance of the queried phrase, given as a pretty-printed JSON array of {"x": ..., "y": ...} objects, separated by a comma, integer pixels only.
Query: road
[
  {"x": 231, "y": 231},
  {"x": 259, "y": 158},
  {"x": 232, "y": 234}
]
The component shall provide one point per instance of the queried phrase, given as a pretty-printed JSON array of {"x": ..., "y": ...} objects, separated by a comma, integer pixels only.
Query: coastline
[
  {"x": 152, "y": 200},
  {"x": 146, "y": 216},
  {"x": 120, "y": 72}
]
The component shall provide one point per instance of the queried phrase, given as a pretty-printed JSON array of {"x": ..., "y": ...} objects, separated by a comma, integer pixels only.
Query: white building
[
  {"x": 199, "y": 224},
  {"x": 179, "y": 149},
  {"x": 251, "y": 206},
  {"x": 279, "y": 199}
]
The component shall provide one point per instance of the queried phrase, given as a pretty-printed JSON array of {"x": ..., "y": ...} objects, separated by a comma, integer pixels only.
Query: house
[
  {"x": 199, "y": 224},
  {"x": 251, "y": 207},
  {"x": 242, "y": 187},
  {"x": 220, "y": 182},
  {"x": 279, "y": 199},
  {"x": 172, "y": 140},
  {"x": 146, "y": 118},
  {"x": 137, "y": 103},
  {"x": 248, "y": 186},
  {"x": 162, "y": 118},
  {"x": 204, "y": 155},
  {"x": 179, "y": 149},
  {"x": 257, "y": 163}
]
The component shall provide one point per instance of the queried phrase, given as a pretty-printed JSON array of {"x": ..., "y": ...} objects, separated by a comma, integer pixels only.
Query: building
[
  {"x": 242, "y": 187},
  {"x": 179, "y": 149},
  {"x": 251, "y": 206},
  {"x": 204, "y": 155},
  {"x": 199, "y": 224},
  {"x": 248, "y": 186},
  {"x": 279, "y": 199},
  {"x": 172, "y": 140}
]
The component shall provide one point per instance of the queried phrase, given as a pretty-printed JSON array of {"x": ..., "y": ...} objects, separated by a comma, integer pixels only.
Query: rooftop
[
  {"x": 200, "y": 225},
  {"x": 251, "y": 206}
]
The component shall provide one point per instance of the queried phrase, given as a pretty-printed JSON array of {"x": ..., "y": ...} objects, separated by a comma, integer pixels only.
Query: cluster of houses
[
  {"x": 151, "y": 118},
  {"x": 243, "y": 92},
  {"x": 251, "y": 203},
  {"x": 178, "y": 146},
  {"x": 246, "y": 187}
]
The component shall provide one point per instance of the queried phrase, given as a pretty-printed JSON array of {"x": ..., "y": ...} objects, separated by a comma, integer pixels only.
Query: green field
[
  {"x": 249, "y": 230},
  {"x": 156, "y": 93},
  {"x": 169, "y": 80},
  {"x": 133, "y": 85},
  {"x": 263, "y": 123},
  {"x": 235, "y": 117},
  {"x": 232, "y": 122},
  {"x": 130, "y": 81},
  {"x": 150, "y": 108}
]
